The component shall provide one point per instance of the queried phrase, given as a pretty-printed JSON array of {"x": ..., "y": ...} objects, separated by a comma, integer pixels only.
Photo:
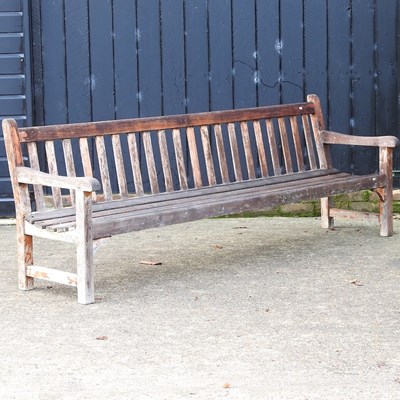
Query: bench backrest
[{"x": 164, "y": 154}]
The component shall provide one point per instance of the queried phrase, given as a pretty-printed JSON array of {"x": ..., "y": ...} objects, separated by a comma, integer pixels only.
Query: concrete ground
[{"x": 262, "y": 308}]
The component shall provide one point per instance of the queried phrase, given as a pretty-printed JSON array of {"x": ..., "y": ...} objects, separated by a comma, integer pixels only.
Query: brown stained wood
[
  {"x": 84, "y": 248},
  {"x": 86, "y": 160},
  {"x": 273, "y": 147},
  {"x": 119, "y": 166},
  {"x": 135, "y": 163},
  {"x": 69, "y": 163},
  {"x": 223, "y": 166},
  {"x": 285, "y": 145},
  {"x": 180, "y": 160},
  {"x": 247, "y": 150},
  {"x": 162, "y": 140},
  {"x": 260, "y": 149},
  {"x": 350, "y": 214},
  {"x": 52, "y": 275},
  {"x": 194, "y": 157},
  {"x": 329, "y": 137},
  {"x": 235, "y": 153},
  {"x": 309, "y": 142},
  {"x": 297, "y": 143},
  {"x": 34, "y": 163},
  {"x": 90, "y": 129},
  {"x": 327, "y": 221},
  {"x": 205, "y": 139},
  {"x": 103, "y": 166},
  {"x": 53, "y": 170},
  {"x": 151, "y": 165}
]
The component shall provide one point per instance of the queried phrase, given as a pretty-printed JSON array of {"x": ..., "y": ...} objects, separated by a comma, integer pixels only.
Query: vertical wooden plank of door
[
  {"x": 285, "y": 145},
  {"x": 221, "y": 153},
  {"x": 273, "y": 147},
  {"x": 235, "y": 152},
  {"x": 247, "y": 150},
  {"x": 194, "y": 157},
  {"x": 135, "y": 163},
  {"x": 297, "y": 143},
  {"x": 120, "y": 167},
  {"x": 260, "y": 148},
  {"x": 151, "y": 166},
  {"x": 103, "y": 165},
  {"x": 53, "y": 169},
  {"x": 162, "y": 140},
  {"x": 34, "y": 163},
  {"x": 205, "y": 138},
  {"x": 180, "y": 161}
]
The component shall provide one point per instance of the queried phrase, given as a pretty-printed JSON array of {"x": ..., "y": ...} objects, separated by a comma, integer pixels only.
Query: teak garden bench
[{"x": 172, "y": 169}]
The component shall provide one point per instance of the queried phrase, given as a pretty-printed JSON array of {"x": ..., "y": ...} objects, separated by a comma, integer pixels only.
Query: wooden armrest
[
  {"x": 329, "y": 137},
  {"x": 34, "y": 177}
]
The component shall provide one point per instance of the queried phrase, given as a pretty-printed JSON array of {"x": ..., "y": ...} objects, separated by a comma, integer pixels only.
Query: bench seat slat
[{"x": 213, "y": 204}]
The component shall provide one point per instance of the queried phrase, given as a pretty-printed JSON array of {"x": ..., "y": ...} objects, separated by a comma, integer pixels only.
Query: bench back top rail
[{"x": 165, "y": 154}]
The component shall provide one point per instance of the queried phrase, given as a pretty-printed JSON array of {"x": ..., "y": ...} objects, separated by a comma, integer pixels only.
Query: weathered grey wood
[
  {"x": 162, "y": 140},
  {"x": 223, "y": 166},
  {"x": 119, "y": 166},
  {"x": 69, "y": 163},
  {"x": 34, "y": 163},
  {"x": 194, "y": 157},
  {"x": 247, "y": 150},
  {"x": 85, "y": 222},
  {"x": 385, "y": 193},
  {"x": 235, "y": 152},
  {"x": 135, "y": 163},
  {"x": 205, "y": 138},
  {"x": 84, "y": 248},
  {"x": 260, "y": 149},
  {"x": 103, "y": 165},
  {"x": 53, "y": 170},
  {"x": 273, "y": 147},
  {"x": 49, "y": 274},
  {"x": 180, "y": 161},
  {"x": 336, "y": 212},
  {"x": 151, "y": 165}
]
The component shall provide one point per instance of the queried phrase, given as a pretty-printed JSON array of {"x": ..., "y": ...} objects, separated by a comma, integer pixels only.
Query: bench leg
[
  {"x": 385, "y": 211},
  {"x": 24, "y": 258},
  {"x": 326, "y": 221},
  {"x": 84, "y": 248}
]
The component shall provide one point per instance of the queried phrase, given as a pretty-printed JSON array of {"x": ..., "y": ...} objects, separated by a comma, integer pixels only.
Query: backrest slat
[
  {"x": 53, "y": 169},
  {"x": 235, "y": 152},
  {"x": 135, "y": 163},
  {"x": 69, "y": 163},
  {"x": 103, "y": 165},
  {"x": 297, "y": 143},
  {"x": 260, "y": 149},
  {"x": 119, "y": 166},
  {"x": 86, "y": 160},
  {"x": 194, "y": 157},
  {"x": 273, "y": 147},
  {"x": 169, "y": 184},
  {"x": 151, "y": 166},
  {"x": 309, "y": 142},
  {"x": 247, "y": 150},
  {"x": 34, "y": 163},
  {"x": 205, "y": 138},
  {"x": 180, "y": 161},
  {"x": 285, "y": 145},
  {"x": 221, "y": 153}
]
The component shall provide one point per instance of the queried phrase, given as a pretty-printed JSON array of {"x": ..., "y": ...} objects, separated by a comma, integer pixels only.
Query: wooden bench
[{"x": 166, "y": 170}]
